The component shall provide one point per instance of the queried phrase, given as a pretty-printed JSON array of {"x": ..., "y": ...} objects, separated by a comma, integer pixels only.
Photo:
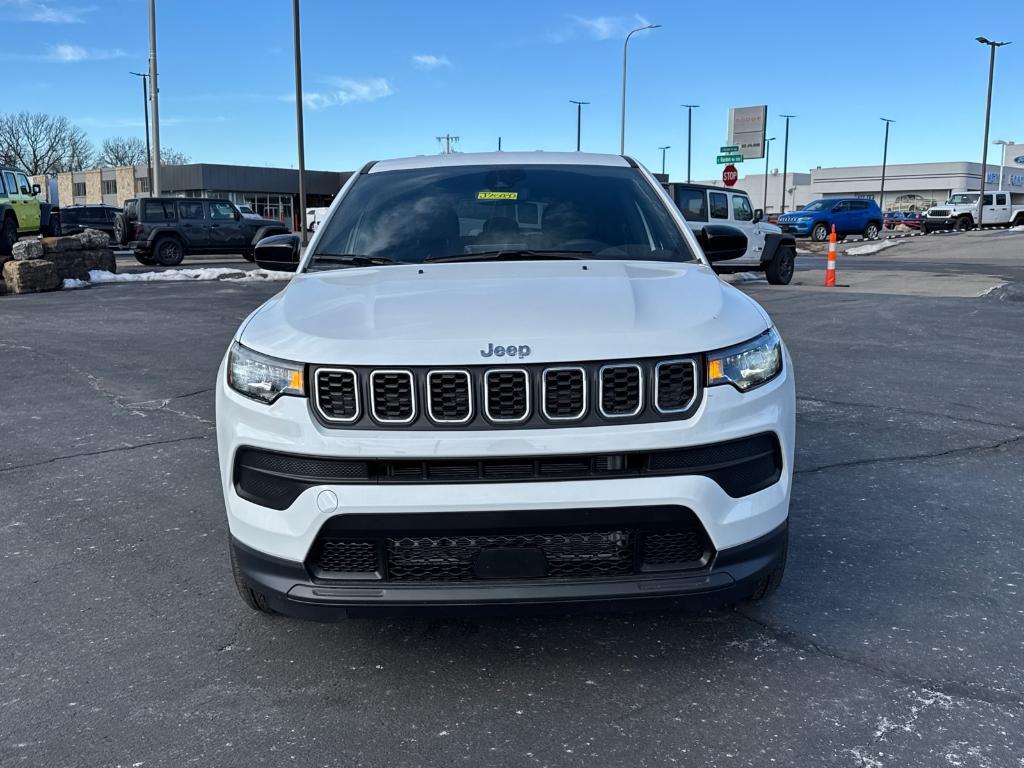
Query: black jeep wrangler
[{"x": 163, "y": 230}]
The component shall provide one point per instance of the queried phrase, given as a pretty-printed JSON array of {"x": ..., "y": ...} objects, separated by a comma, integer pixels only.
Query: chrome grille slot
[
  {"x": 449, "y": 396},
  {"x": 336, "y": 394},
  {"x": 507, "y": 395},
  {"x": 622, "y": 392},
  {"x": 564, "y": 393},
  {"x": 392, "y": 396},
  {"x": 674, "y": 385}
]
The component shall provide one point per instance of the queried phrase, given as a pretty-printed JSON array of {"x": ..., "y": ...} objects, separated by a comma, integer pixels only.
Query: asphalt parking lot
[{"x": 897, "y": 638}]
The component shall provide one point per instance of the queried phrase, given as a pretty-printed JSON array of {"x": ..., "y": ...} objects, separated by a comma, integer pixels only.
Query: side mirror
[
  {"x": 758, "y": 215},
  {"x": 35, "y": 189},
  {"x": 279, "y": 252},
  {"x": 721, "y": 243}
]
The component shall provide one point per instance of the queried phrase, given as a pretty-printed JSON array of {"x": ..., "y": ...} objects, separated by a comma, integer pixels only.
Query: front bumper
[
  {"x": 274, "y": 545},
  {"x": 796, "y": 228},
  {"x": 933, "y": 225},
  {"x": 733, "y": 575}
]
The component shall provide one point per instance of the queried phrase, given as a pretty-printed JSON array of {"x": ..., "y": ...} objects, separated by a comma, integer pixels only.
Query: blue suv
[{"x": 851, "y": 216}]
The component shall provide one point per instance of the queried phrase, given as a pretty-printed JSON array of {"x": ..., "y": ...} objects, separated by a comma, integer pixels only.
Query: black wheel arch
[{"x": 772, "y": 242}]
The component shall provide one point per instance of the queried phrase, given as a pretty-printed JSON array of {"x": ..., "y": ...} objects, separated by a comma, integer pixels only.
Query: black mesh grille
[
  {"x": 507, "y": 395},
  {"x": 620, "y": 390},
  {"x": 675, "y": 385},
  {"x": 564, "y": 393},
  {"x": 450, "y": 399},
  {"x": 393, "y": 398},
  {"x": 337, "y": 394},
  {"x": 676, "y": 547},
  {"x": 584, "y": 555},
  {"x": 346, "y": 557}
]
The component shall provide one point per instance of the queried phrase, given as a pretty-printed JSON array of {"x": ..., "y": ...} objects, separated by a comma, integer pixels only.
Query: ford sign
[{"x": 1019, "y": 159}]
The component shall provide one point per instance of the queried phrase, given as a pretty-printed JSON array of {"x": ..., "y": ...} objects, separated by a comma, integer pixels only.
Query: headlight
[
  {"x": 749, "y": 364},
  {"x": 804, "y": 218},
  {"x": 263, "y": 378}
]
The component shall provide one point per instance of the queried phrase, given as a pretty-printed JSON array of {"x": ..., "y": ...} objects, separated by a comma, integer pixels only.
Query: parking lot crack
[
  {"x": 85, "y": 454},
  {"x": 962, "y": 451},
  {"x": 947, "y": 689},
  {"x": 909, "y": 411}
]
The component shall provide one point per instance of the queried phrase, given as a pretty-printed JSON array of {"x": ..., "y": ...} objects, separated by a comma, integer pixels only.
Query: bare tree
[
  {"x": 131, "y": 150},
  {"x": 43, "y": 144}
]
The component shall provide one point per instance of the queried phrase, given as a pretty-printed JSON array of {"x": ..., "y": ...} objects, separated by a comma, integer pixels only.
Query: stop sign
[{"x": 729, "y": 175}]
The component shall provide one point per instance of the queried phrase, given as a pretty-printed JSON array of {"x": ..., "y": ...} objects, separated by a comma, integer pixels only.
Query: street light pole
[
  {"x": 298, "y": 123},
  {"x": 663, "y": 150},
  {"x": 154, "y": 91},
  {"x": 885, "y": 157},
  {"x": 625, "y": 50},
  {"x": 689, "y": 135},
  {"x": 145, "y": 112},
  {"x": 988, "y": 112},
  {"x": 767, "y": 148},
  {"x": 1002, "y": 158},
  {"x": 579, "y": 110},
  {"x": 785, "y": 164}
]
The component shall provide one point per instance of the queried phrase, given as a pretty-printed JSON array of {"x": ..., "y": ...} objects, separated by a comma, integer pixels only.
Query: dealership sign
[{"x": 746, "y": 130}]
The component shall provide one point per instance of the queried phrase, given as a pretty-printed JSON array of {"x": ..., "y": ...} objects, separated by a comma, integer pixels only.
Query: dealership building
[
  {"x": 907, "y": 186},
  {"x": 272, "y": 192}
]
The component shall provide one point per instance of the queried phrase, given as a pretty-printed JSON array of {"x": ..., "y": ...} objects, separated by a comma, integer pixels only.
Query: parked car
[
  {"x": 163, "y": 230},
  {"x": 961, "y": 212},
  {"x": 768, "y": 249},
  {"x": 21, "y": 211},
  {"x": 432, "y": 414},
  {"x": 247, "y": 211},
  {"x": 892, "y": 219},
  {"x": 850, "y": 215},
  {"x": 78, "y": 218}
]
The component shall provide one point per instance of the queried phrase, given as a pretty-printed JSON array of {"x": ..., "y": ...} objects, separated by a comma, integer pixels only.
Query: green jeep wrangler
[{"x": 21, "y": 212}]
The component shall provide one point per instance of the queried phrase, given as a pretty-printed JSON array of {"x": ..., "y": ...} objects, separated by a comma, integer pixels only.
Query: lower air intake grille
[
  {"x": 672, "y": 548},
  {"x": 339, "y": 558}
]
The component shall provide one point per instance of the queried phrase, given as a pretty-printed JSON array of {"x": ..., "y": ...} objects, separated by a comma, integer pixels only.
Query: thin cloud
[
  {"x": 45, "y": 13},
  {"x": 429, "y": 61},
  {"x": 597, "y": 27},
  {"x": 341, "y": 91},
  {"x": 66, "y": 53}
]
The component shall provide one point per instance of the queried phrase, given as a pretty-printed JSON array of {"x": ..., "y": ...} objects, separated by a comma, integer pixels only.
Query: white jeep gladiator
[
  {"x": 960, "y": 212},
  {"x": 504, "y": 379}
]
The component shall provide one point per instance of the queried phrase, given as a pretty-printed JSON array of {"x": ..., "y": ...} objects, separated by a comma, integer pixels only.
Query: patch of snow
[
  {"x": 749, "y": 277},
  {"x": 71, "y": 284},
  {"x": 1018, "y": 228},
  {"x": 875, "y": 247},
  {"x": 185, "y": 275}
]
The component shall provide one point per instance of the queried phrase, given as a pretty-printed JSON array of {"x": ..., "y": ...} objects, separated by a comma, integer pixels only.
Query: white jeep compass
[{"x": 504, "y": 379}]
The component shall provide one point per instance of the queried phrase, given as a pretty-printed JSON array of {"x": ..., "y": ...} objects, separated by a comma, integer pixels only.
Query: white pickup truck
[{"x": 960, "y": 212}]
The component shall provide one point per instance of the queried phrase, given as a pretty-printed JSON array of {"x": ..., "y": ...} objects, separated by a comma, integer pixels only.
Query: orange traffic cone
[{"x": 830, "y": 269}]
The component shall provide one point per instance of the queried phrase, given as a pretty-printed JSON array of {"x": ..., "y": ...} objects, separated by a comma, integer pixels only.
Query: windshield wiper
[
  {"x": 512, "y": 255},
  {"x": 354, "y": 259}
]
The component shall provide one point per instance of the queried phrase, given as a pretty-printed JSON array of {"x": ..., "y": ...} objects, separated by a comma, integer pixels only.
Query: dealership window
[
  {"x": 78, "y": 189},
  {"x": 109, "y": 186},
  {"x": 719, "y": 205},
  {"x": 142, "y": 185}
]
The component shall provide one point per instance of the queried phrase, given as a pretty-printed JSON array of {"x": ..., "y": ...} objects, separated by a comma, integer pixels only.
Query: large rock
[
  {"x": 24, "y": 250},
  {"x": 76, "y": 264},
  {"x": 93, "y": 238},
  {"x": 30, "y": 276},
  {"x": 60, "y": 244}
]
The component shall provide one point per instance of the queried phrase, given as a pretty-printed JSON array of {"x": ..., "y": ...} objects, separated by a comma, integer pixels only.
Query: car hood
[{"x": 450, "y": 314}]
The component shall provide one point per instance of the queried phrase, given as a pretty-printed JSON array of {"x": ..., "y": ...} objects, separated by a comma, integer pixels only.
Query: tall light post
[
  {"x": 298, "y": 123},
  {"x": 145, "y": 112},
  {"x": 785, "y": 164},
  {"x": 579, "y": 117},
  {"x": 1002, "y": 158},
  {"x": 988, "y": 112},
  {"x": 767, "y": 147},
  {"x": 885, "y": 157},
  {"x": 625, "y": 51},
  {"x": 154, "y": 91},
  {"x": 689, "y": 135},
  {"x": 663, "y": 151}
]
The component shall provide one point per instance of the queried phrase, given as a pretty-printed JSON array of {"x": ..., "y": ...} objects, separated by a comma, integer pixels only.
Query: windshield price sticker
[{"x": 497, "y": 195}]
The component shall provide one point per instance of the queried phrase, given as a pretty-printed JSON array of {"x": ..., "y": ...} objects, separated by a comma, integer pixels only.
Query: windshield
[
  {"x": 962, "y": 199},
  {"x": 819, "y": 205},
  {"x": 536, "y": 211}
]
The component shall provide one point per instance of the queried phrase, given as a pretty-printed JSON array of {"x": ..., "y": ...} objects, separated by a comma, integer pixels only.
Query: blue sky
[{"x": 382, "y": 79}]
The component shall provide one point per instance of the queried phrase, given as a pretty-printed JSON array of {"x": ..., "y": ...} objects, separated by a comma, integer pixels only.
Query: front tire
[
  {"x": 780, "y": 269},
  {"x": 168, "y": 251},
  {"x": 871, "y": 231},
  {"x": 256, "y": 600},
  {"x": 964, "y": 224},
  {"x": 8, "y": 236},
  {"x": 820, "y": 233}
]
